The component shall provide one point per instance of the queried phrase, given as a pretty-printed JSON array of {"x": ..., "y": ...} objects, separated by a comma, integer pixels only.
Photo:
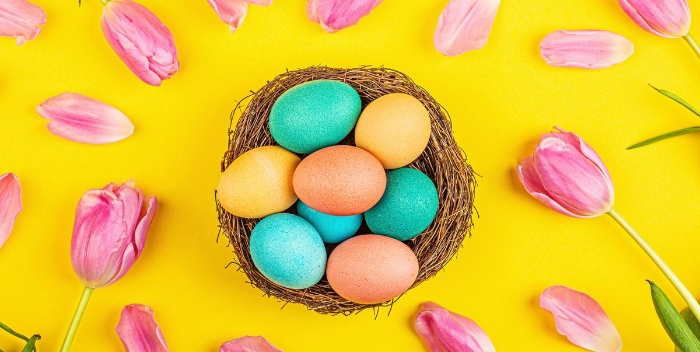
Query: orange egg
[
  {"x": 340, "y": 180},
  {"x": 371, "y": 269}
]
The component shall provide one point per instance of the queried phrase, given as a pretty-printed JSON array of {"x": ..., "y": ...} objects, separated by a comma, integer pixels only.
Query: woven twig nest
[{"x": 443, "y": 161}]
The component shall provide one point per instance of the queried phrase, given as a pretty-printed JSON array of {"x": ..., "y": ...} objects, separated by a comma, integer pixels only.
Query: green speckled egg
[
  {"x": 314, "y": 115},
  {"x": 407, "y": 207}
]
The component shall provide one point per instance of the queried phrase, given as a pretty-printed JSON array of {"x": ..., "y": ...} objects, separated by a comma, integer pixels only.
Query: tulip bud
[
  {"x": 10, "y": 204},
  {"x": 20, "y": 19},
  {"x": 665, "y": 18},
  {"x": 444, "y": 331},
  {"x": 109, "y": 233},
  {"x": 139, "y": 331}
]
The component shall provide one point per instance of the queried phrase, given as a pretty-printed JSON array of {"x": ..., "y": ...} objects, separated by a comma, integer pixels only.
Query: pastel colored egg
[
  {"x": 395, "y": 128},
  {"x": 407, "y": 207},
  {"x": 288, "y": 251},
  {"x": 340, "y": 180},
  {"x": 371, "y": 269},
  {"x": 332, "y": 228},
  {"x": 259, "y": 182},
  {"x": 314, "y": 115}
]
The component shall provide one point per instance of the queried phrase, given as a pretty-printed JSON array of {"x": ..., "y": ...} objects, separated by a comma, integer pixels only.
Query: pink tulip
[
  {"x": 666, "y": 18},
  {"x": 81, "y": 119},
  {"x": 249, "y": 344},
  {"x": 581, "y": 319},
  {"x": 20, "y": 19},
  {"x": 141, "y": 40},
  {"x": 444, "y": 331},
  {"x": 334, "y": 15},
  {"x": 465, "y": 25},
  {"x": 585, "y": 49},
  {"x": 109, "y": 233},
  {"x": 139, "y": 331},
  {"x": 10, "y": 204},
  {"x": 567, "y": 175}
]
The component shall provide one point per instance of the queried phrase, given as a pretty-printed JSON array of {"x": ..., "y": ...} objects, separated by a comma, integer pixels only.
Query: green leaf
[
  {"x": 692, "y": 322},
  {"x": 31, "y": 344},
  {"x": 677, "y": 99},
  {"x": 666, "y": 136},
  {"x": 673, "y": 323}
]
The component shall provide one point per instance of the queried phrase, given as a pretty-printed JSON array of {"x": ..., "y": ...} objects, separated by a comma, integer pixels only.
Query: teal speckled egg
[
  {"x": 407, "y": 207},
  {"x": 288, "y": 251},
  {"x": 333, "y": 229},
  {"x": 314, "y": 115}
]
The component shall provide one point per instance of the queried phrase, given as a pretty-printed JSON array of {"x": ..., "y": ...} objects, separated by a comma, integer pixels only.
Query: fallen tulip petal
[
  {"x": 249, "y": 344},
  {"x": 232, "y": 12},
  {"x": 20, "y": 19},
  {"x": 665, "y": 18},
  {"x": 139, "y": 331},
  {"x": 10, "y": 204},
  {"x": 86, "y": 120},
  {"x": 581, "y": 319},
  {"x": 585, "y": 49},
  {"x": 465, "y": 25},
  {"x": 334, "y": 15},
  {"x": 444, "y": 331}
]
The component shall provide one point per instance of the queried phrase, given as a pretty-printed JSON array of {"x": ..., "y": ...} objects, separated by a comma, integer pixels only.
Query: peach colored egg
[
  {"x": 370, "y": 269},
  {"x": 340, "y": 180},
  {"x": 395, "y": 128}
]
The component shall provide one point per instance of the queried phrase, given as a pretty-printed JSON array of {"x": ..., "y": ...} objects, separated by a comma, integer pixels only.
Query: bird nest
[{"x": 442, "y": 160}]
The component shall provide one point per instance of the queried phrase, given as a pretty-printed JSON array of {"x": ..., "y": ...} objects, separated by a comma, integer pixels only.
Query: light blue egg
[
  {"x": 288, "y": 251},
  {"x": 408, "y": 206},
  {"x": 333, "y": 229},
  {"x": 314, "y": 115}
]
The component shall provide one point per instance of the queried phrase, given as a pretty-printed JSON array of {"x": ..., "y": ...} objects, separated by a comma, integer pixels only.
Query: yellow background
[{"x": 501, "y": 99}]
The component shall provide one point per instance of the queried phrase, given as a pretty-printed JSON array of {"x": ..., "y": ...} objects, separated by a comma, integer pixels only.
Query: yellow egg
[
  {"x": 259, "y": 182},
  {"x": 395, "y": 128}
]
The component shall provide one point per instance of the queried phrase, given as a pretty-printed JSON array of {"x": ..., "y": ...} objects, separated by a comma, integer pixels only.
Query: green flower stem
[
  {"x": 687, "y": 296},
  {"x": 13, "y": 333},
  {"x": 104, "y": 2},
  {"x": 68, "y": 340},
  {"x": 688, "y": 38}
]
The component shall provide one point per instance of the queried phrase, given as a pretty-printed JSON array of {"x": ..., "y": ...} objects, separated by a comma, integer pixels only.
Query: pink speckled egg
[
  {"x": 371, "y": 269},
  {"x": 340, "y": 180}
]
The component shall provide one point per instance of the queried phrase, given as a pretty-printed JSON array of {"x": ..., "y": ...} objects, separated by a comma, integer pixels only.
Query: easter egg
[
  {"x": 288, "y": 251},
  {"x": 407, "y": 207},
  {"x": 258, "y": 183},
  {"x": 395, "y": 128},
  {"x": 333, "y": 229},
  {"x": 314, "y": 115},
  {"x": 340, "y": 180},
  {"x": 371, "y": 269}
]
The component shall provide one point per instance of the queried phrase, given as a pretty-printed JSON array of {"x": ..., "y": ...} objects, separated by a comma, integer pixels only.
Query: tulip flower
[
  {"x": 567, "y": 175},
  {"x": 233, "y": 12},
  {"x": 249, "y": 344},
  {"x": 20, "y": 19},
  {"x": 444, "y": 331},
  {"x": 109, "y": 234},
  {"x": 334, "y": 15},
  {"x": 585, "y": 49},
  {"x": 141, "y": 40},
  {"x": 581, "y": 319},
  {"x": 465, "y": 25},
  {"x": 139, "y": 331},
  {"x": 81, "y": 119},
  {"x": 10, "y": 204}
]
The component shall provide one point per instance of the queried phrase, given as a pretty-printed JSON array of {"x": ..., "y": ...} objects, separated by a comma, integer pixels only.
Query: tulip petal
[
  {"x": 20, "y": 19},
  {"x": 86, "y": 120},
  {"x": 585, "y": 49},
  {"x": 581, "y": 319},
  {"x": 334, "y": 15},
  {"x": 665, "y": 18},
  {"x": 10, "y": 204},
  {"x": 577, "y": 142},
  {"x": 531, "y": 180},
  {"x": 444, "y": 331},
  {"x": 260, "y": 2},
  {"x": 465, "y": 25},
  {"x": 232, "y": 12},
  {"x": 139, "y": 331},
  {"x": 249, "y": 344}
]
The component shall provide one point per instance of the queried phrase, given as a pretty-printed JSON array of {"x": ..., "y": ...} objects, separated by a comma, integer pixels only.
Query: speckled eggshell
[
  {"x": 259, "y": 182},
  {"x": 340, "y": 180},
  {"x": 314, "y": 115},
  {"x": 371, "y": 269},
  {"x": 407, "y": 207},
  {"x": 288, "y": 251},
  {"x": 395, "y": 128},
  {"x": 333, "y": 229}
]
